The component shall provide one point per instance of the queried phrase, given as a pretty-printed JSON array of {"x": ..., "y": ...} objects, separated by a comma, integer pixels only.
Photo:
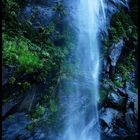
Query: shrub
[
  {"x": 53, "y": 106},
  {"x": 39, "y": 111},
  {"x": 17, "y": 53},
  {"x": 12, "y": 80}
]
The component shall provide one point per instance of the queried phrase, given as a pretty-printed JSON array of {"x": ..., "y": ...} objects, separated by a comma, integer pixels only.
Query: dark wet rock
[
  {"x": 24, "y": 134},
  {"x": 131, "y": 86},
  {"x": 106, "y": 64},
  {"x": 14, "y": 125},
  {"x": 108, "y": 119},
  {"x": 7, "y": 73},
  {"x": 107, "y": 84},
  {"x": 120, "y": 116},
  {"x": 122, "y": 92},
  {"x": 131, "y": 121},
  {"x": 24, "y": 102},
  {"x": 132, "y": 103},
  {"x": 32, "y": 97},
  {"x": 38, "y": 134},
  {"x": 10, "y": 106},
  {"x": 121, "y": 132},
  {"x": 40, "y": 12},
  {"x": 111, "y": 60},
  {"x": 116, "y": 100},
  {"x": 107, "y": 116},
  {"x": 132, "y": 75}
]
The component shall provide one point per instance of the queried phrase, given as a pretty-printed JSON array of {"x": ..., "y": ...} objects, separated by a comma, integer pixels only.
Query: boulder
[
  {"x": 122, "y": 92},
  {"x": 107, "y": 116},
  {"x": 123, "y": 120},
  {"x": 132, "y": 103},
  {"x": 121, "y": 132},
  {"x": 116, "y": 100},
  {"x": 109, "y": 119},
  {"x": 131, "y": 122}
]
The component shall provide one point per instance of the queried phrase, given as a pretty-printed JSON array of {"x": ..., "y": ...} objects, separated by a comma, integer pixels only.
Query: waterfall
[{"x": 81, "y": 122}]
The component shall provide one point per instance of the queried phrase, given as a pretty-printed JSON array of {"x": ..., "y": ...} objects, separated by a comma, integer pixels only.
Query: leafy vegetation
[
  {"x": 123, "y": 25},
  {"x": 39, "y": 111},
  {"x": 120, "y": 28},
  {"x": 18, "y": 54},
  {"x": 36, "y": 53},
  {"x": 41, "y": 51}
]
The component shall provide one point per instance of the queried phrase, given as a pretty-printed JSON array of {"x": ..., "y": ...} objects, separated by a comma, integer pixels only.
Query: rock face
[
  {"x": 109, "y": 118},
  {"x": 10, "y": 106},
  {"x": 112, "y": 7},
  {"x": 39, "y": 12},
  {"x": 32, "y": 97},
  {"x": 116, "y": 100},
  {"x": 6, "y": 74},
  {"x": 15, "y": 126},
  {"x": 120, "y": 115},
  {"x": 114, "y": 54}
]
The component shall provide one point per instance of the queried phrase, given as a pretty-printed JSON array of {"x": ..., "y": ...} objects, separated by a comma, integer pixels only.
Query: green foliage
[
  {"x": 38, "y": 112},
  {"x": 134, "y": 11},
  {"x": 135, "y": 90},
  {"x": 30, "y": 127},
  {"x": 124, "y": 69},
  {"x": 25, "y": 86},
  {"x": 113, "y": 34},
  {"x": 106, "y": 43},
  {"x": 119, "y": 27},
  {"x": 11, "y": 117},
  {"x": 12, "y": 80},
  {"x": 36, "y": 52},
  {"x": 103, "y": 94},
  {"x": 118, "y": 84},
  {"x": 10, "y": 10},
  {"x": 53, "y": 106},
  {"x": 59, "y": 7},
  {"x": 17, "y": 53}
]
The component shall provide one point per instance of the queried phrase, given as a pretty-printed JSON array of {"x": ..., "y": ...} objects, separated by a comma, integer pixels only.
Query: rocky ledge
[{"x": 119, "y": 114}]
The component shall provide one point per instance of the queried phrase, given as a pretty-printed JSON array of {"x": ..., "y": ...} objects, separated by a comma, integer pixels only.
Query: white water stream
[{"x": 82, "y": 111}]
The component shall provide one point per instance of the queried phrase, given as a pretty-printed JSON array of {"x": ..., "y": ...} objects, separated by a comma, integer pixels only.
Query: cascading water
[{"x": 81, "y": 122}]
